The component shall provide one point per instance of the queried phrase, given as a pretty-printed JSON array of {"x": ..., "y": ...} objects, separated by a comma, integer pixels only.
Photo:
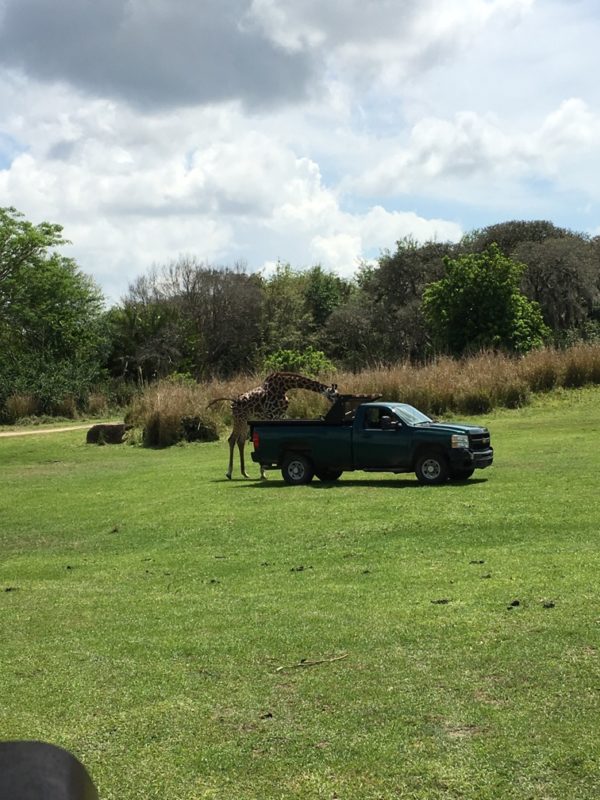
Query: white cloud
[
  {"x": 135, "y": 190},
  {"x": 402, "y": 118},
  {"x": 484, "y": 153},
  {"x": 363, "y": 236},
  {"x": 387, "y": 40}
]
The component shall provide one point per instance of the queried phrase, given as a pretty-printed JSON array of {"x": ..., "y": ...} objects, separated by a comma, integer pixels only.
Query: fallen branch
[{"x": 312, "y": 663}]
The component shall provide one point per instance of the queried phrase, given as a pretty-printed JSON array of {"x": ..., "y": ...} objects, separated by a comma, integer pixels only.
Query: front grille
[{"x": 479, "y": 441}]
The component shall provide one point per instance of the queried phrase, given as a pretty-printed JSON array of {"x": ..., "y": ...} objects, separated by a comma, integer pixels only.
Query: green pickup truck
[{"x": 373, "y": 437}]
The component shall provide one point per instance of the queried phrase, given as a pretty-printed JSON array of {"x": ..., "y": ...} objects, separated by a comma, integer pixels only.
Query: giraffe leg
[
  {"x": 232, "y": 440},
  {"x": 241, "y": 445}
]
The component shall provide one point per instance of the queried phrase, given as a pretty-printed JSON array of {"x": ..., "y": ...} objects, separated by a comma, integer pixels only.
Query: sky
[{"x": 314, "y": 132}]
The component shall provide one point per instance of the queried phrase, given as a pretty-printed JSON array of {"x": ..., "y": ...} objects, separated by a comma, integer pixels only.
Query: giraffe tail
[{"x": 219, "y": 399}]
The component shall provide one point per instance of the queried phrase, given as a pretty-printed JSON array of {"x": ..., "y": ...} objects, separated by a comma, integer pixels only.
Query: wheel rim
[
  {"x": 431, "y": 469},
  {"x": 296, "y": 470}
]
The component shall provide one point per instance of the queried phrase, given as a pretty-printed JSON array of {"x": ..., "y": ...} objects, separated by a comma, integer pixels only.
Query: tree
[
  {"x": 324, "y": 292},
  {"x": 562, "y": 275},
  {"x": 298, "y": 304},
  {"x": 351, "y": 338},
  {"x": 189, "y": 317},
  {"x": 508, "y": 235},
  {"x": 287, "y": 321},
  {"x": 478, "y": 304},
  {"x": 52, "y": 329},
  {"x": 143, "y": 334},
  {"x": 392, "y": 293},
  {"x": 22, "y": 243}
]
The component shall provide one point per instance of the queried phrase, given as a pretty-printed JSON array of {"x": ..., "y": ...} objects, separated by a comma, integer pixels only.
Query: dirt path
[{"x": 50, "y": 430}]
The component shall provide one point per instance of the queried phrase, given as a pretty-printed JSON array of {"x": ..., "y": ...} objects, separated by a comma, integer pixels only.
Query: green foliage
[
  {"x": 509, "y": 235},
  {"x": 323, "y": 293},
  {"x": 352, "y": 339},
  {"x": 562, "y": 270},
  {"x": 478, "y": 305},
  {"x": 22, "y": 243},
  {"x": 309, "y": 361},
  {"x": 52, "y": 330},
  {"x": 287, "y": 322},
  {"x": 193, "y": 318},
  {"x": 181, "y": 379}
]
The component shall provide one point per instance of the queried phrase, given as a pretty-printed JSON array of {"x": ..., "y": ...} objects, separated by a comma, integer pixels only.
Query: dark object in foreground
[
  {"x": 107, "y": 433},
  {"x": 39, "y": 771}
]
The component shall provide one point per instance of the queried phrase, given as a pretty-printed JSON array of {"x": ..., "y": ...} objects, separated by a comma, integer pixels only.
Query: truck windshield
[{"x": 410, "y": 415}]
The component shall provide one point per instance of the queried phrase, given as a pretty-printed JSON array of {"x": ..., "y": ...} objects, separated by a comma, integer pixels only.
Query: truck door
[{"x": 381, "y": 440}]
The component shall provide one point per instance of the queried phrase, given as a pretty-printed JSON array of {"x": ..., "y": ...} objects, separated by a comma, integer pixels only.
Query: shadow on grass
[{"x": 390, "y": 483}]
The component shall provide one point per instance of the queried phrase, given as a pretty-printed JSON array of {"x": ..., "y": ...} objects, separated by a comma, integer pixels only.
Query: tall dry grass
[
  {"x": 166, "y": 411},
  {"x": 97, "y": 404},
  {"x": 473, "y": 385},
  {"x": 21, "y": 405}
]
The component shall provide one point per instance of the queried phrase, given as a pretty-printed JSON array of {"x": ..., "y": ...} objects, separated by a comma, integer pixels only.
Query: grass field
[{"x": 153, "y": 616}]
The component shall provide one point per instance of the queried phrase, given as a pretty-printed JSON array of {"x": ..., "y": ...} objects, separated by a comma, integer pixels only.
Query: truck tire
[
  {"x": 431, "y": 468},
  {"x": 461, "y": 473},
  {"x": 297, "y": 469},
  {"x": 328, "y": 475}
]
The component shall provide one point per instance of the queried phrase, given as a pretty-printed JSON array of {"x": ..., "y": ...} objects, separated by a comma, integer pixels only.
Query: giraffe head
[{"x": 331, "y": 392}]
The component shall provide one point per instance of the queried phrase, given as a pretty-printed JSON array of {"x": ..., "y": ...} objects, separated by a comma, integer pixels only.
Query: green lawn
[{"x": 147, "y": 606}]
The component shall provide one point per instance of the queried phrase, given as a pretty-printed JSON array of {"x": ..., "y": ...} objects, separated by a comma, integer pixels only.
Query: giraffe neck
[{"x": 292, "y": 380}]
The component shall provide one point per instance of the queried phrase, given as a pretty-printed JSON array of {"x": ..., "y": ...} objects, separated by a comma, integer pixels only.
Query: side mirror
[{"x": 388, "y": 424}]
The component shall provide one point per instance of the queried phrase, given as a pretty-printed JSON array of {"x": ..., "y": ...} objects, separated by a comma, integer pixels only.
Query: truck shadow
[{"x": 390, "y": 483}]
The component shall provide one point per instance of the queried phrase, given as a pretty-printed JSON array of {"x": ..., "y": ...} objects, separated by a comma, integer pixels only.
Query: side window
[
  {"x": 389, "y": 420},
  {"x": 379, "y": 418},
  {"x": 372, "y": 419}
]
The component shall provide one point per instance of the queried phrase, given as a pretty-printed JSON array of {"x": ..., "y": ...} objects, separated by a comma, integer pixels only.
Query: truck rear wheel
[
  {"x": 297, "y": 469},
  {"x": 326, "y": 475},
  {"x": 432, "y": 469}
]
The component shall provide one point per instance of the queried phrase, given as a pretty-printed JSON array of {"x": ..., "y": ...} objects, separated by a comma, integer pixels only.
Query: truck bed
[{"x": 299, "y": 423}]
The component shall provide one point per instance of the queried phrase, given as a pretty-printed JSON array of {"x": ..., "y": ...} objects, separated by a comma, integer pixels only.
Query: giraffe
[{"x": 267, "y": 401}]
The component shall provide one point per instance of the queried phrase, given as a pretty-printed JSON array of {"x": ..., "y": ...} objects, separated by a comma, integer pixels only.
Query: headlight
[{"x": 460, "y": 440}]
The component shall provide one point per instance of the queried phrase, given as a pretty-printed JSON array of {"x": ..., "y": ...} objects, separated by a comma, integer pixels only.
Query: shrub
[
  {"x": 97, "y": 404},
  {"x": 170, "y": 412},
  {"x": 161, "y": 429},
  {"x": 514, "y": 393},
  {"x": 197, "y": 429},
  {"x": 66, "y": 406},
  {"x": 582, "y": 365},
  {"x": 541, "y": 370},
  {"x": 308, "y": 362},
  {"x": 476, "y": 401},
  {"x": 21, "y": 405},
  {"x": 122, "y": 392}
]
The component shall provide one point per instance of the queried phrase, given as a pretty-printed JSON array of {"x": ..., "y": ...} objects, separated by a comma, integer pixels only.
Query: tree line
[{"x": 511, "y": 286}]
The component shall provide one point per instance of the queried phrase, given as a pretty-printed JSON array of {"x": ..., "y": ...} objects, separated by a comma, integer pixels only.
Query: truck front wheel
[
  {"x": 432, "y": 469},
  {"x": 297, "y": 469}
]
